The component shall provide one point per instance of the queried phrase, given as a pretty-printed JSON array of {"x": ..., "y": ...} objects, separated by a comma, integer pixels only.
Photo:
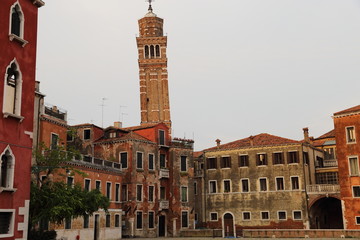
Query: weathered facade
[
  {"x": 347, "y": 134},
  {"x": 258, "y": 182},
  {"x": 18, "y": 41}
]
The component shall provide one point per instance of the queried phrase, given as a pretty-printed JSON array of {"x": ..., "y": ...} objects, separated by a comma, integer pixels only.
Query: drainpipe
[{"x": 305, "y": 184}]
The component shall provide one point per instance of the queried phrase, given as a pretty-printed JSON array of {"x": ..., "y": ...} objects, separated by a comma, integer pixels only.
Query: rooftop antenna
[
  {"x": 102, "y": 111},
  {"x": 121, "y": 113},
  {"x": 150, "y": 7}
]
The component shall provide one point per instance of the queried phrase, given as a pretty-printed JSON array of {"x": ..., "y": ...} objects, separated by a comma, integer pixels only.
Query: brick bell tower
[{"x": 154, "y": 91}]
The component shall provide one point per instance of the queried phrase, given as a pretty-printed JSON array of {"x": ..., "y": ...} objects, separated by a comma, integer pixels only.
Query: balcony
[
  {"x": 323, "y": 189},
  {"x": 163, "y": 204},
  {"x": 164, "y": 173},
  {"x": 327, "y": 163}
]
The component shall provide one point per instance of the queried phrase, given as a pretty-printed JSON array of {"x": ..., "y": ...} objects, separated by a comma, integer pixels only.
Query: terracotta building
[
  {"x": 258, "y": 182},
  {"x": 18, "y": 40},
  {"x": 347, "y": 134}
]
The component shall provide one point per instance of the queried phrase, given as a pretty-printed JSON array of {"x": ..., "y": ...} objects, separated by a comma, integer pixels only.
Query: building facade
[
  {"x": 347, "y": 134},
  {"x": 18, "y": 40}
]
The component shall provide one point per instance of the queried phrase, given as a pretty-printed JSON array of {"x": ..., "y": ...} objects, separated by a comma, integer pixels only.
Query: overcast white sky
[{"x": 236, "y": 67}]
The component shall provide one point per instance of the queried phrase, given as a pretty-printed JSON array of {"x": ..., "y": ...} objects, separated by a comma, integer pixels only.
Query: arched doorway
[
  {"x": 326, "y": 213},
  {"x": 228, "y": 225}
]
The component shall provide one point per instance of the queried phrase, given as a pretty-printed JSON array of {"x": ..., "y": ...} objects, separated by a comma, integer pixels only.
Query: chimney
[
  {"x": 37, "y": 86},
  {"x": 306, "y": 135},
  {"x": 218, "y": 141},
  {"x": 118, "y": 124},
  {"x": 251, "y": 140}
]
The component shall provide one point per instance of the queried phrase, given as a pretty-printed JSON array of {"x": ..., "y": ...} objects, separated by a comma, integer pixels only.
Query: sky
[{"x": 236, "y": 67}]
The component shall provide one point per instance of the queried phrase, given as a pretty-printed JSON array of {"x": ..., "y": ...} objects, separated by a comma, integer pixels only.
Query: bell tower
[{"x": 154, "y": 91}]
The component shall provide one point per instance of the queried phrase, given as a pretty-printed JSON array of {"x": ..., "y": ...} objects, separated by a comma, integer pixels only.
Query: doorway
[
  {"x": 228, "y": 224},
  {"x": 162, "y": 226},
  {"x": 96, "y": 227}
]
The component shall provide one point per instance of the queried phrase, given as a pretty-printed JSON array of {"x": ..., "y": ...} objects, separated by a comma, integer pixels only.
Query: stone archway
[
  {"x": 228, "y": 225},
  {"x": 326, "y": 213}
]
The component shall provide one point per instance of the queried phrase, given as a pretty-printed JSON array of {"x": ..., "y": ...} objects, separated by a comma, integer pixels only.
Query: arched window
[
  {"x": 146, "y": 51},
  {"x": 17, "y": 21},
  {"x": 157, "y": 51},
  {"x": 152, "y": 51},
  {"x": 12, "y": 90},
  {"x": 7, "y": 164}
]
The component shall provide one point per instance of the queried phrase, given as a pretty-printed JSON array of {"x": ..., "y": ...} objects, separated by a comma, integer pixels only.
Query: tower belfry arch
[{"x": 152, "y": 59}]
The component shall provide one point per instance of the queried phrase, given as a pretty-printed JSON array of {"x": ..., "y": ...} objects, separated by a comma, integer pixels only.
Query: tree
[{"x": 53, "y": 201}]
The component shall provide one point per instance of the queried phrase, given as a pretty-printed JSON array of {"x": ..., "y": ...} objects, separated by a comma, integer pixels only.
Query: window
[
  {"x": 151, "y": 193},
  {"x": 354, "y": 166},
  {"x": 162, "y": 160},
  {"x": 212, "y": 186},
  {"x": 195, "y": 188},
  {"x": 139, "y": 160},
  {"x": 293, "y": 157},
  {"x": 261, "y": 159},
  {"x": 146, "y": 51},
  {"x": 87, "y": 134},
  {"x": 112, "y": 135},
  {"x": 263, "y": 184},
  {"x": 7, "y": 169},
  {"x": 213, "y": 216},
  {"x": 329, "y": 153},
  {"x": 151, "y": 220},
  {"x": 162, "y": 193},
  {"x": 157, "y": 49},
  {"x": 86, "y": 221},
  {"x": 327, "y": 178},
  {"x": 151, "y": 161},
  {"x": 87, "y": 183},
  {"x": 227, "y": 186},
  {"x": 211, "y": 163},
  {"x": 117, "y": 192},
  {"x": 124, "y": 194},
  {"x": 98, "y": 185},
  {"x": 67, "y": 223},
  {"x": 280, "y": 183},
  {"x": 265, "y": 216},
  {"x": 243, "y": 160},
  {"x": 6, "y": 223},
  {"x": 183, "y": 163},
  {"x": 69, "y": 136},
  {"x": 282, "y": 215},
  {"x": 295, "y": 183},
  {"x": 12, "y": 90},
  {"x": 124, "y": 159},
  {"x": 297, "y": 215},
  {"x": 246, "y": 216},
  {"x": 139, "y": 220},
  {"x": 306, "y": 157},
  {"x": 226, "y": 162},
  {"x": 70, "y": 181},
  {"x": 161, "y": 137},
  {"x": 357, "y": 220},
  {"x": 356, "y": 191},
  {"x": 184, "y": 219},
  {"x": 107, "y": 220},
  {"x": 54, "y": 141},
  {"x": 16, "y": 21},
  {"x": 117, "y": 220},
  {"x": 278, "y": 158},
  {"x": 152, "y": 51},
  {"x": 108, "y": 190},
  {"x": 350, "y": 134},
  {"x": 184, "y": 194},
  {"x": 245, "y": 185},
  {"x": 139, "y": 193}
]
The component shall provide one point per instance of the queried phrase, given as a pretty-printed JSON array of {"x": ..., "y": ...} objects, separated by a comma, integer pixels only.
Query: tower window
[
  {"x": 16, "y": 21},
  {"x": 152, "y": 51},
  {"x": 157, "y": 48},
  {"x": 7, "y": 170},
  {"x": 12, "y": 90},
  {"x": 146, "y": 51}
]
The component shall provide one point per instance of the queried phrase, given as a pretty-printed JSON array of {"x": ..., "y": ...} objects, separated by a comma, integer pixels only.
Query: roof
[
  {"x": 128, "y": 136},
  {"x": 134, "y": 128},
  {"x": 197, "y": 154},
  {"x": 86, "y": 125},
  {"x": 349, "y": 110},
  {"x": 329, "y": 134},
  {"x": 263, "y": 139}
]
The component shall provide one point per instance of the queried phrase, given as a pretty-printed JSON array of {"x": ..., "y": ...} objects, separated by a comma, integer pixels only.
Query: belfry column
[{"x": 154, "y": 91}]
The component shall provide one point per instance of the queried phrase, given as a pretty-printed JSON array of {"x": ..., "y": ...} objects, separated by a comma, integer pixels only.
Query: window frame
[
  {"x": 278, "y": 215},
  {"x": 11, "y": 223},
  {"x": 9, "y": 170},
  {"x": 141, "y": 193},
  {"x": 292, "y": 183},
  {"x": 243, "y": 216},
  {"x": 187, "y": 219},
  {"x": 151, "y": 166},
  {"x": 17, "y": 95},
  {"x": 225, "y": 161},
  {"x": 117, "y": 220},
  {"x": 184, "y": 198},
  {"x": 67, "y": 221},
  {"x": 89, "y": 180},
  {"x": 276, "y": 183},
  {"x": 275, "y": 160},
  {"x": 211, "y": 163},
  {"x": 151, "y": 197},
  {"x": 244, "y": 162},
  {"x": 293, "y": 215},
  {"x": 266, "y": 184},
  {"x": 153, "y": 219},
  {"x": 215, "y": 214},
  {"x": 121, "y": 159},
  {"x": 96, "y": 182},
  {"x": 86, "y": 129},
  {"x": 181, "y": 163},
  {"x": 223, "y": 184},
  {"x": 124, "y": 190},
  {"x": 350, "y": 166},
  {"x": 138, "y": 153},
  {"x": 12, "y": 36},
  {"x": 137, "y": 220},
  {"x": 242, "y": 185},
  {"x": 86, "y": 221},
  {"x": 72, "y": 182},
  {"x": 293, "y": 157},
  {"x": 353, "y": 192},
  {"x": 348, "y": 140},
  {"x": 117, "y": 192},
  {"x": 268, "y": 216},
  {"x": 162, "y": 137},
  {"x": 108, "y": 190},
  {"x": 357, "y": 220},
  {"x": 210, "y": 184},
  {"x": 108, "y": 220},
  {"x": 258, "y": 161},
  {"x": 53, "y": 145}
]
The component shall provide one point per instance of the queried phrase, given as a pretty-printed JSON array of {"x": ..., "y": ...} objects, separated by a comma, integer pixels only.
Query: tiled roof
[
  {"x": 262, "y": 139},
  {"x": 349, "y": 110},
  {"x": 86, "y": 125},
  {"x": 134, "y": 128},
  {"x": 128, "y": 136},
  {"x": 197, "y": 154},
  {"x": 329, "y": 134}
]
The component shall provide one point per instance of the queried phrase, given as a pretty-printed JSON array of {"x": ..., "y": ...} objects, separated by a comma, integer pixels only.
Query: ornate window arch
[
  {"x": 7, "y": 166},
  {"x": 157, "y": 50},
  {"x": 12, "y": 90},
  {"x": 16, "y": 20},
  {"x": 152, "y": 51},
  {"x": 146, "y": 51}
]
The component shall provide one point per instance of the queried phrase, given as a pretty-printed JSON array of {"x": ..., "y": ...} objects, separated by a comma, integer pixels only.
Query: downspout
[{"x": 305, "y": 184}]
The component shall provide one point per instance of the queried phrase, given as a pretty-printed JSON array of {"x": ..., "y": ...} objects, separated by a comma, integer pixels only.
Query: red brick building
[
  {"x": 18, "y": 39},
  {"x": 347, "y": 133}
]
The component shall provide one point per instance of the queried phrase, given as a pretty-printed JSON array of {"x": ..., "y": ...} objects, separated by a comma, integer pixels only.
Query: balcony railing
[
  {"x": 163, "y": 204},
  {"x": 323, "y": 188},
  {"x": 97, "y": 161},
  {"x": 327, "y": 163},
  {"x": 164, "y": 173}
]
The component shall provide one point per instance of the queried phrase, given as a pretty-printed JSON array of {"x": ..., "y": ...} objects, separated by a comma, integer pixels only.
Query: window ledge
[
  {"x": 2, "y": 189},
  {"x": 18, "y": 39},
  {"x": 6, "y": 115}
]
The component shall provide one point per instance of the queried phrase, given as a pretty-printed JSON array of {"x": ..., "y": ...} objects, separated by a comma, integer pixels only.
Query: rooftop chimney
[
  {"x": 218, "y": 141},
  {"x": 118, "y": 124},
  {"x": 306, "y": 135},
  {"x": 251, "y": 140}
]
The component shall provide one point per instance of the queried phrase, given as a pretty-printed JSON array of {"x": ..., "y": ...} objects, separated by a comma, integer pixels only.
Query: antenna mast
[{"x": 150, "y": 7}]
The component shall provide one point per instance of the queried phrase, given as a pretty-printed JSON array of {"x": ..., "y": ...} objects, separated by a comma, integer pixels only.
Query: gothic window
[
  {"x": 157, "y": 48},
  {"x": 7, "y": 164},
  {"x": 152, "y": 51},
  {"x": 146, "y": 51},
  {"x": 12, "y": 90},
  {"x": 17, "y": 20}
]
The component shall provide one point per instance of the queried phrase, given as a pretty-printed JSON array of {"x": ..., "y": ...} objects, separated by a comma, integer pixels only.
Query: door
[
  {"x": 228, "y": 225},
  {"x": 162, "y": 226},
  {"x": 96, "y": 227}
]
